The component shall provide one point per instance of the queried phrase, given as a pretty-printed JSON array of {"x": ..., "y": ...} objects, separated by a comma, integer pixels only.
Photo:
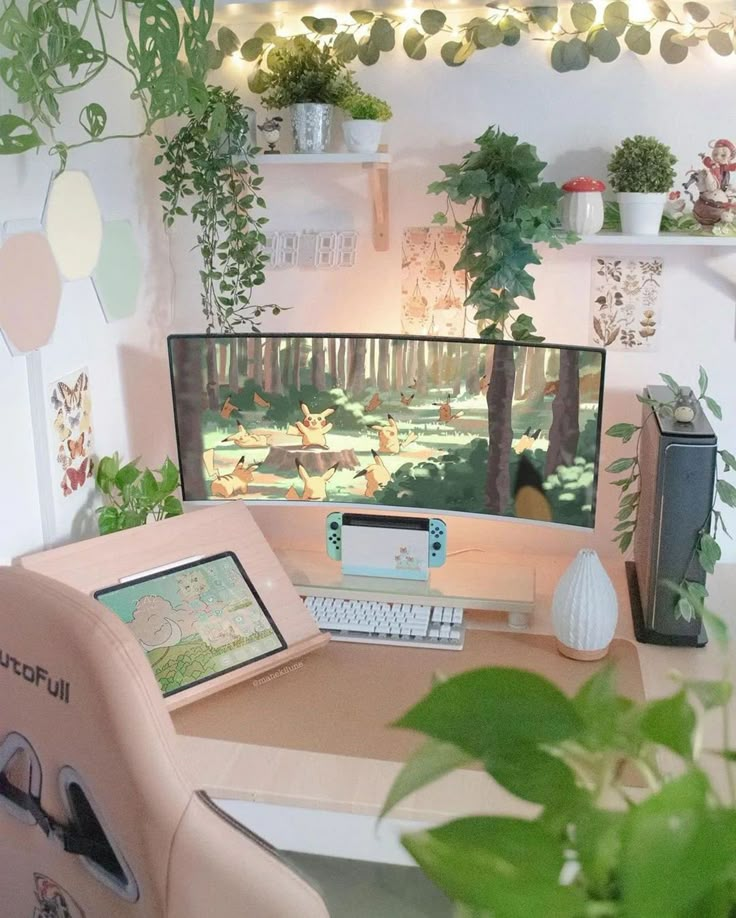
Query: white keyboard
[{"x": 395, "y": 623}]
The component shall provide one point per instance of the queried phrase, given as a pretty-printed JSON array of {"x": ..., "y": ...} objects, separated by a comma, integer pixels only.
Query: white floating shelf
[
  {"x": 663, "y": 239},
  {"x": 314, "y": 159}
]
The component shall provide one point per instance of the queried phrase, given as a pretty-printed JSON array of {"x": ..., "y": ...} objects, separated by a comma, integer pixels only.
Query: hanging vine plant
[
  {"x": 574, "y": 38},
  {"x": 211, "y": 161}
]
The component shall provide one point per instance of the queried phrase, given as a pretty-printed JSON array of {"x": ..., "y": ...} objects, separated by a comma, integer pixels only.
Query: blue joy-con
[
  {"x": 437, "y": 543},
  {"x": 334, "y": 536}
]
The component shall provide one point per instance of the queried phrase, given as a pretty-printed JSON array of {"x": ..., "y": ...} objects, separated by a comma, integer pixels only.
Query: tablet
[{"x": 195, "y": 621}]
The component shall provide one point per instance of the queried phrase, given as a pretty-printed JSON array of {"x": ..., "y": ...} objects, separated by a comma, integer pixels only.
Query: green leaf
[
  {"x": 14, "y": 28},
  {"x": 383, "y": 35},
  {"x": 448, "y": 52},
  {"x": 727, "y": 492},
  {"x": 368, "y": 53},
  {"x": 149, "y": 485},
  {"x": 218, "y": 121},
  {"x": 709, "y": 552},
  {"x": 345, "y": 47},
  {"x": 638, "y": 39},
  {"x": 169, "y": 477},
  {"x": 696, "y": 11},
  {"x": 429, "y": 762},
  {"x": 624, "y": 541},
  {"x": 583, "y": 16},
  {"x": 432, "y": 21},
  {"x": 227, "y": 41},
  {"x": 620, "y": 465},
  {"x": 616, "y": 17},
  {"x": 710, "y": 693},
  {"x": 172, "y": 507},
  {"x": 604, "y": 45},
  {"x": 713, "y": 407},
  {"x": 93, "y": 119},
  {"x": 158, "y": 33},
  {"x": 326, "y": 26},
  {"x": 507, "y": 867},
  {"x": 670, "y": 722},
  {"x": 266, "y": 32},
  {"x": 676, "y": 849},
  {"x": 596, "y": 702},
  {"x": 362, "y": 17},
  {"x": 660, "y": 9},
  {"x": 720, "y": 42},
  {"x": 108, "y": 520},
  {"x": 251, "y": 49},
  {"x": 673, "y": 386},
  {"x": 623, "y": 431},
  {"x": 500, "y": 708},
  {"x": 729, "y": 460},
  {"x": 487, "y": 34},
  {"x": 258, "y": 81},
  {"x": 127, "y": 475},
  {"x": 415, "y": 44},
  {"x": 466, "y": 50},
  {"x": 671, "y": 52},
  {"x": 543, "y": 16},
  {"x": 570, "y": 55},
  {"x": 17, "y": 135},
  {"x": 702, "y": 381}
]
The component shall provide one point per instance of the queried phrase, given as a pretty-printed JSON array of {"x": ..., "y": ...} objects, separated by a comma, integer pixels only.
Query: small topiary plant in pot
[
  {"x": 642, "y": 172},
  {"x": 363, "y": 129},
  {"x": 309, "y": 79}
]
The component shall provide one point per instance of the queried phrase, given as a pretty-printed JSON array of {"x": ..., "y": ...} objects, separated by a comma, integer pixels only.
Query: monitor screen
[
  {"x": 195, "y": 621},
  {"x": 445, "y": 425}
]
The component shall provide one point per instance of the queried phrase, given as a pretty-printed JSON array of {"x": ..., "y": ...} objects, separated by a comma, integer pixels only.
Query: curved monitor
[{"x": 432, "y": 424}]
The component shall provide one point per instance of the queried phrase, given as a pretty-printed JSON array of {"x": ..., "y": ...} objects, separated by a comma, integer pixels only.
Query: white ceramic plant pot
[
  {"x": 641, "y": 214},
  {"x": 362, "y": 136},
  {"x": 584, "y": 609}
]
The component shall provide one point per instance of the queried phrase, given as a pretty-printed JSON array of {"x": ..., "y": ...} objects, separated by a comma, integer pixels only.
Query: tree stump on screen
[{"x": 315, "y": 461}]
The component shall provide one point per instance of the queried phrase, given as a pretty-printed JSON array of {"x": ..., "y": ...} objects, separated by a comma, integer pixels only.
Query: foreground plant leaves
[{"x": 510, "y": 867}]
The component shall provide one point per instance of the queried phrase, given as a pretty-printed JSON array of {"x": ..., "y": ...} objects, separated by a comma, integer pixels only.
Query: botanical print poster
[
  {"x": 71, "y": 434},
  {"x": 625, "y": 314},
  {"x": 432, "y": 292}
]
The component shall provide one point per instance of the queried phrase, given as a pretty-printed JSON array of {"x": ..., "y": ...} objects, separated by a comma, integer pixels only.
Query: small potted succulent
[
  {"x": 362, "y": 130},
  {"x": 642, "y": 173},
  {"x": 309, "y": 79}
]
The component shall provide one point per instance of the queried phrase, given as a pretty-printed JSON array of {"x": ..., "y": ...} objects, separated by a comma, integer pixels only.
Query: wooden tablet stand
[{"x": 88, "y": 566}]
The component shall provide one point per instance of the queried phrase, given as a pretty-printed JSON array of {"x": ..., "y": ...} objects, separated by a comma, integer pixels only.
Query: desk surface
[{"x": 359, "y": 784}]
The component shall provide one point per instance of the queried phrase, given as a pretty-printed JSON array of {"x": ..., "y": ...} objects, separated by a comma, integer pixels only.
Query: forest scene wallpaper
[{"x": 427, "y": 423}]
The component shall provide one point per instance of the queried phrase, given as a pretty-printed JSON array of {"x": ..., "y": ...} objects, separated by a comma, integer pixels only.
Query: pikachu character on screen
[{"x": 313, "y": 429}]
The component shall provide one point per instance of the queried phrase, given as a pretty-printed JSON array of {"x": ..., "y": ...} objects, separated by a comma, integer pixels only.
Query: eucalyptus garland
[
  {"x": 706, "y": 547},
  {"x": 211, "y": 161},
  {"x": 574, "y": 38}
]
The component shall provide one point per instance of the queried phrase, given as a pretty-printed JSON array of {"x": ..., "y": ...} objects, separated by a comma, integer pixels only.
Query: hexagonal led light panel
[
  {"x": 117, "y": 277},
  {"x": 73, "y": 224},
  {"x": 30, "y": 291}
]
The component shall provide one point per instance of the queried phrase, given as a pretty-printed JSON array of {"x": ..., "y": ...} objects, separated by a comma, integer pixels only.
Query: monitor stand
[{"x": 467, "y": 581}]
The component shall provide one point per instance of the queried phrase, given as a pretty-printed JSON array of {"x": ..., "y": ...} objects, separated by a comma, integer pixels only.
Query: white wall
[
  {"x": 115, "y": 354},
  {"x": 574, "y": 119}
]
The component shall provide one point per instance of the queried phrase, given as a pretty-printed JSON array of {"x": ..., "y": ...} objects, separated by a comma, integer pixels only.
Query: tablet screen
[{"x": 196, "y": 621}]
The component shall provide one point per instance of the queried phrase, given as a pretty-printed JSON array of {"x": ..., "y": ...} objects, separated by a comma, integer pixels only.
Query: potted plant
[
  {"x": 642, "y": 173},
  {"x": 309, "y": 79},
  {"x": 362, "y": 131}
]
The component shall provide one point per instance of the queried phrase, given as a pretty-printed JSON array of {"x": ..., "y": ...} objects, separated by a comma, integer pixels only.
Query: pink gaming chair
[{"x": 96, "y": 819}]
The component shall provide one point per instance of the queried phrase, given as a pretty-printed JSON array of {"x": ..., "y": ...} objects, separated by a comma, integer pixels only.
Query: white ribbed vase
[{"x": 584, "y": 609}]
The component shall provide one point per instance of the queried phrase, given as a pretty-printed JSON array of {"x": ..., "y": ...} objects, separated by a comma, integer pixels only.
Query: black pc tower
[{"x": 677, "y": 464}]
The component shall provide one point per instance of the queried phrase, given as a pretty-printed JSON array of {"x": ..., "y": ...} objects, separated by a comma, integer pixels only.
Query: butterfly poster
[{"x": 71, "y": 433}]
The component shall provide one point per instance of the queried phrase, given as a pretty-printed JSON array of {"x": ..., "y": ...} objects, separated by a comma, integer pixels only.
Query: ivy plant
[
  {"x": 210, "y": 162},
  {"x": 575, "y": 34},
  {"x": 706, "y": 547},
  {"x": 511, "y": 209},
  {"x": 594, "y": 848},
  {"x": 58, "y": 48},
  {"x": 133, "y": 496}
]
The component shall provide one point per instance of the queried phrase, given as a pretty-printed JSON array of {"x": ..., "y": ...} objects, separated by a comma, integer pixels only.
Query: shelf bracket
[{"x": 378, "y": 178}]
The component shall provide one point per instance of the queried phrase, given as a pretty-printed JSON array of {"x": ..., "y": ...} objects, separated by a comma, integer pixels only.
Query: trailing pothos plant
[
  {"x": 133, "y": 496},
  {"x": 211, "y": 161},
  {"x": 705, "y": 547},
  {"x": 60, "y": 47},
  {"x": 596, "y": 847},
  {"x": 511, "y": 210}
]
